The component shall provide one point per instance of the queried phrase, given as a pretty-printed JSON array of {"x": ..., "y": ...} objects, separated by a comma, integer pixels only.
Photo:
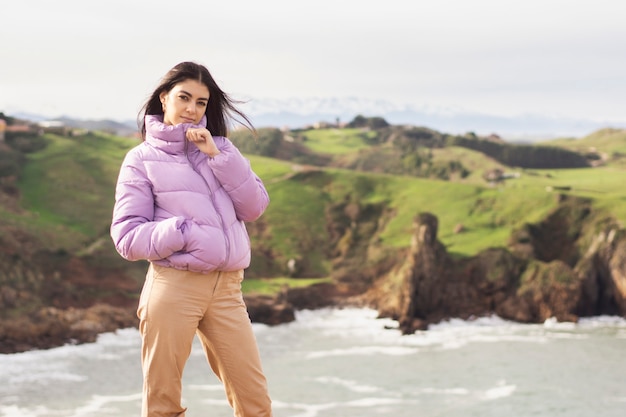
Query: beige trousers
[{"x": 174, "y": 306}]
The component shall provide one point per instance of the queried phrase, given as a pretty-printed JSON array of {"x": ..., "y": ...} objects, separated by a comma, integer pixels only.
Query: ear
[{"x": 162, "y": 97}]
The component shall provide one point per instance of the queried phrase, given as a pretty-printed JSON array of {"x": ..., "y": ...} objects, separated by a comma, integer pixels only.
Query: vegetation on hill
[
  {"x": 604, "y": 147},
  {"x": 343, "y": 201},
  {"x": 372, "y": 145},
  {"x": 524, "y": 156},
  {"x": 401, "y": 168},
  {"x": 67, "y": 183}
]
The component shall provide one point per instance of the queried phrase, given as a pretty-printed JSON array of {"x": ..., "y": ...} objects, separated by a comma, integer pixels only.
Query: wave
[
  {"x": 128, "y": 337},
  {"x": 40, "y": 411},
  {"x": 395, "y": 383},
  {"x": 363, "y": 351},
  {"x": 97, "y": 405},
  {"x": 388, "y": 402},
  {"x": 206, "y": 387},
  {"x": 454, "y": 333},
  {"x": 100, "y": 403},
  {"x": 355, "y": 322},
  {"x": 315, "y": 410},
  {"x": 46, "y": 366},
  {"x": 351, "y": 385},
  {"x": 502, "y": 390}
]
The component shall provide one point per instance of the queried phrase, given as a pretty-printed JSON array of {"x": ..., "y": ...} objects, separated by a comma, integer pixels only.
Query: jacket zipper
[{"x": 212, "y": 196}]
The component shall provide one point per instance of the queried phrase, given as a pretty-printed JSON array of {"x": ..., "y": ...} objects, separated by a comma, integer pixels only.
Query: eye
[
  {"x": 183, "y": 97},
  {"x": 202, "y": 103}
]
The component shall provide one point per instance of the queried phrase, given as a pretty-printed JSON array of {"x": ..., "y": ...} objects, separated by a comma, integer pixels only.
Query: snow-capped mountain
[
  {"x": 299, "y": 112},
  {"x": 302, "y": 112}
]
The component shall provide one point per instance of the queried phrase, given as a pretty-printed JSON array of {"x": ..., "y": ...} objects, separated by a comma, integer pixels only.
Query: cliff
[{"x": 546, "y": 273}]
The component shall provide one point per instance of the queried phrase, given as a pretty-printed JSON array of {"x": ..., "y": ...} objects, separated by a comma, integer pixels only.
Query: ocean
[{"x": 346, "y": 362}]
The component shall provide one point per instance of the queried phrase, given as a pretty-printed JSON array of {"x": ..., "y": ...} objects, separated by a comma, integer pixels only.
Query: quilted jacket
[{"x": 177, "y": 207}]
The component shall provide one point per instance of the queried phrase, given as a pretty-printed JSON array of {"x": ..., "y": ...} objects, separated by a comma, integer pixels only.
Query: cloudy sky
[{"x": 101, "y": 59}]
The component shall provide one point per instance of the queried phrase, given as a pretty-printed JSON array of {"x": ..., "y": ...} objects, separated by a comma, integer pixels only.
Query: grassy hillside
[
  {"x": 338, "y": 141},
  {"x": 609, "y": 144},
  {"x": 67, "y": 189},
  {"x": 487, "y": 213},
  {"x": 69, "y": 186}
]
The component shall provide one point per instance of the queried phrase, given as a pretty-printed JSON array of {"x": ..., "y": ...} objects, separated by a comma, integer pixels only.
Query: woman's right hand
[{"x": 203, "y": 139}]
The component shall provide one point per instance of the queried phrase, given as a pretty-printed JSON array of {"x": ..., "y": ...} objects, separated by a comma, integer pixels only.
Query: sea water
[{"x": 346, "y": 362}]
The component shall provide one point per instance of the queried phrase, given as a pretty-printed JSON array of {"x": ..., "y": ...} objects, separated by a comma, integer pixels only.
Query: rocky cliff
[{"x": 567, "y": 266}]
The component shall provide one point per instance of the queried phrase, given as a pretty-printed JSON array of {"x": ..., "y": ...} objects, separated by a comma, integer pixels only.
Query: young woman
[{"x": 181, "y": 201}]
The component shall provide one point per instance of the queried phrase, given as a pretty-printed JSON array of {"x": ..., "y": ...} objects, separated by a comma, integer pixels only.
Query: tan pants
[{"x": 174, "y": 306}]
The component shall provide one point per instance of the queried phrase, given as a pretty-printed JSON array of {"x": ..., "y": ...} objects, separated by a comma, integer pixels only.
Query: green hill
[
  {"x": 473, "y": 213},
  {"x": 68, "y": 188},
  {"x": 335, "y": 195},
  {"x": 606, "y": 146}
]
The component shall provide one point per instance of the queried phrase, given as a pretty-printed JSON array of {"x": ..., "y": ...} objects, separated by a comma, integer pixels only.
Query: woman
[{"x": 181, "y": 201}]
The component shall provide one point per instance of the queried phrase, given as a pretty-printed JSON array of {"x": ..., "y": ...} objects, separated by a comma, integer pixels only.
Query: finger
[{"x": 195, "y": 137}]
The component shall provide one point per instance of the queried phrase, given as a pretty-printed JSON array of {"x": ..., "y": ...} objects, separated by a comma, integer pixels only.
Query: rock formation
[{"x": 542, "y": 275}]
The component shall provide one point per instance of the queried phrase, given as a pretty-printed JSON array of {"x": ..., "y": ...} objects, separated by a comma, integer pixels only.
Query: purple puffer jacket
[{"x": 178, "y": 208}]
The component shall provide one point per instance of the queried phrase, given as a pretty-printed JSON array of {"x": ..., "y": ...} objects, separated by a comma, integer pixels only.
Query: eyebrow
[{"x": 191, "y": 95}]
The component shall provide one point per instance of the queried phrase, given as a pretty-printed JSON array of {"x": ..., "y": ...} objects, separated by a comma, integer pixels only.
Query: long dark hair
[{"x": 219, "y": 110}]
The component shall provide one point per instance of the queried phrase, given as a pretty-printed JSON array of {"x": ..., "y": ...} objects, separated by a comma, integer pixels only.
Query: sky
[{"x": 101, "y": 59}]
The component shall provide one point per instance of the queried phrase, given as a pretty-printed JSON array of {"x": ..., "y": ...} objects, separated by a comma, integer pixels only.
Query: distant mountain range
[
  {"x": 122, "y": 128},
  {"x": 297, "y": 113},
  {"x": 300, "y": 112}
]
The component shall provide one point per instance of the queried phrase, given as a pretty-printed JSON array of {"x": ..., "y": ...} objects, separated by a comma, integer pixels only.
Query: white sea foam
[
  {"x": 500, "y": 391},
  {"x": 363, "y": 351},
  {"x": 373, "y": 402},
  {"x": 553, "y": 323},
  {"x": 450, "y": 334},
  {"x": 123, "y": 337},
  {"x": 442, "y": 391},
  {"x": 206, "y": 387},
  {"x": 349, "y": 384},
  {"x": 455, "y": 334},
  {"x": 103, "y": 404},
  {"x": 39, "y": 411},
  {"x": 97, "y": 405},
  {"x": 45, "y": 377},
  {"x": 343, "y": 322},
  {"x": 215, "y": 402},
  {"x": 314, "y": 410},
  {"x": 602, "y": 321},
  {"x": 33, "y": 368},
  {"x": 307, "y": 410}
]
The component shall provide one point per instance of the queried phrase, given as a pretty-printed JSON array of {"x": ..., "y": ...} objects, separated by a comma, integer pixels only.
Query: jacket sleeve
[
  {"x": 135, "y": 235},
  {"x": 245, "y": 188}
]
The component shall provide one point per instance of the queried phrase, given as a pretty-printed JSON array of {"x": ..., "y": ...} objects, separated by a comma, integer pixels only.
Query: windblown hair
[{"x": 220, "y": 110}]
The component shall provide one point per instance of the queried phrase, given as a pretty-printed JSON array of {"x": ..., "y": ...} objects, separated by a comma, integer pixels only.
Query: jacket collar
[{"x": 168, "y": 138}]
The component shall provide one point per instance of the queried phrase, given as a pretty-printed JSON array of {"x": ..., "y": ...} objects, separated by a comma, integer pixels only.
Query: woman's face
[{"x": 185, "y": 103}]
